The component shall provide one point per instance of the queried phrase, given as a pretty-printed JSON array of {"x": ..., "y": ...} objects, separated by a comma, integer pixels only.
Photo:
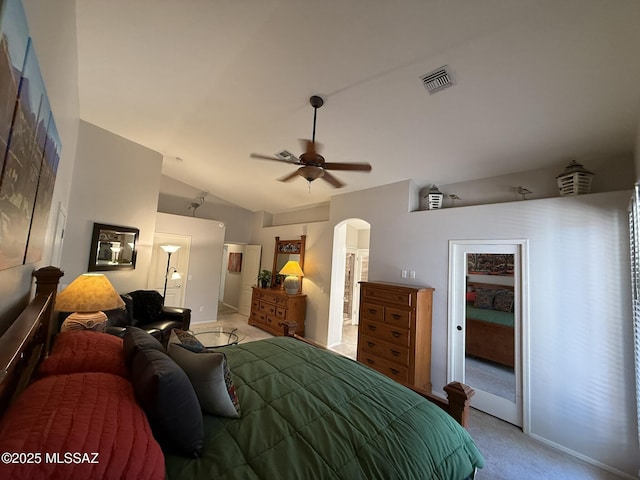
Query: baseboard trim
[{"x": 582, "y": 457}]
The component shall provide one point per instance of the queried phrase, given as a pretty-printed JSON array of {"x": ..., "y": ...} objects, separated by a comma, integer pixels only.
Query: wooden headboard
[{"x": 26, "y": 342}]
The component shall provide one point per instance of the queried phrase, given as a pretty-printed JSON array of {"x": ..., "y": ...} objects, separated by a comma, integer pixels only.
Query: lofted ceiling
[{"x": 208, "y": 82}]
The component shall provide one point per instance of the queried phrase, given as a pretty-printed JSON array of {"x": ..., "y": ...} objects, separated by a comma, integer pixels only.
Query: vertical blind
[{"x": 634, "y": 227}]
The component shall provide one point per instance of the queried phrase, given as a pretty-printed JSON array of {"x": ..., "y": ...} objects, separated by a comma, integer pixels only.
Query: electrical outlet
[
  {"x": 403, "y": 274},
  {"x": 202, "y": 309},
  {"x": 412, "y": 274}
]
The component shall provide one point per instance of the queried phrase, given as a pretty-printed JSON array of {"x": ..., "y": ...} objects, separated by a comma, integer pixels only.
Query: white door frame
[
  {"x": 250, "y": 270},
  {"x": 355, "y": 315},
  {"x": 456, "y": 318}
]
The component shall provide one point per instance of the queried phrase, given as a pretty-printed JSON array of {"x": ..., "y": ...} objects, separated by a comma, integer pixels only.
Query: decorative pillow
[
  {"x": 81, "y": 414},
  {"x": 483, "y": 300},
  {"x": 211, "y": 379},
  {"x": 503, "y": 303},
  {"x": 85, "y": 351},
  {"x": 135, "y": 340},
  {"x": 147, "y": 306},
  {"x": 166, "y": 395},
  {"x": 471, "y": 297},
  {"x": 187, "y": 339}
]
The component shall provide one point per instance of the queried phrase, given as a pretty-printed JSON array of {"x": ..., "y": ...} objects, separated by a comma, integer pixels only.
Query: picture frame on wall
[
  {"x": 27, "y": 128},
  {"x": 235, "y": 262}
]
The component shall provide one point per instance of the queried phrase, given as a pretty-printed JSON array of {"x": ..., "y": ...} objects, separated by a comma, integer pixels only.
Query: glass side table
[{"x": 219, "y": 337}]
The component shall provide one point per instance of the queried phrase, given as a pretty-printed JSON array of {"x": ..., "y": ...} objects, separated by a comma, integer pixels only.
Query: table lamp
[
  {"x": 87, "y": 296},
  {"x": 293, "y": 272}
]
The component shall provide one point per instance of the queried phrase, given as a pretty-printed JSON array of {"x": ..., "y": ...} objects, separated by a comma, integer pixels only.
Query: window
[{"x": 634, "y": 227}]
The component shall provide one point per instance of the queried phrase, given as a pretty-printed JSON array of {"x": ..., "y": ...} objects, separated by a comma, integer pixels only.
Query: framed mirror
[
  {"x": 286, "y": 250},
  {"x": 113, "y": 248}
]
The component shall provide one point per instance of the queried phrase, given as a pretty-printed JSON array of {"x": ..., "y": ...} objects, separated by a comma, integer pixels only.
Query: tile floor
[
  {"x": 348, "y": 346},
  {"x": 230, "y": 320}
]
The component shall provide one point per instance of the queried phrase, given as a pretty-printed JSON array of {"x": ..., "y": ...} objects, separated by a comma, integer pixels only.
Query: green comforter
[{"x": 308, "y": 413}]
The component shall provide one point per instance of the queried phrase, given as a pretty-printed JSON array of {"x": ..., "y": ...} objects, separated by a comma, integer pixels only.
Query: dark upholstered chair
[{"x": 144, "y": 310}]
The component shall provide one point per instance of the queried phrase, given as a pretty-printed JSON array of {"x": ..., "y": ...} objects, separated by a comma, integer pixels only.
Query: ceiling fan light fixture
[{"x": 310, "y": 173}]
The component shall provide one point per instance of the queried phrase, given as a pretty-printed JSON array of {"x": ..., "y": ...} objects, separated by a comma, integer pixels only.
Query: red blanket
[{"x": 78, "y": 426}]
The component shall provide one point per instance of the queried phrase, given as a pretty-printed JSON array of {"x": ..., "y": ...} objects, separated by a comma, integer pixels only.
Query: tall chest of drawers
[
  {"x": 394, "y": 332},
  {"x": 270, "y": 307}
]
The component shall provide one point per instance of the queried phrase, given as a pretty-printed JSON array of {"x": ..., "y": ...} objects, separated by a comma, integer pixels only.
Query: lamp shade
[
  {"x": 292, "y": 268},
  {"x": 170, "y": 248},
  {"x": 90, "y": 292}
]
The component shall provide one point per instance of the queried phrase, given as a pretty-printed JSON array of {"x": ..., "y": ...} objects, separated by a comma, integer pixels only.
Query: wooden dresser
[
  {"x": 271, "y": 307},
  {"x": 394, "y": 332}
]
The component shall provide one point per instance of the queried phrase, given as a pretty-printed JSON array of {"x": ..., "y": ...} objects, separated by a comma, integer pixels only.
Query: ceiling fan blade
[
  {"x": 267, "y": 157},
  {"x": 360, "y": 167},
  {"x": 289, "y": 177},
  {"x": 276, "y": 159},
  {"x": 332, "y": 180}
]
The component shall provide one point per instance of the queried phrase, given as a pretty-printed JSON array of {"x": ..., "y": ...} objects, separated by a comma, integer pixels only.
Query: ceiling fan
[{"x": 312, "y": 163}]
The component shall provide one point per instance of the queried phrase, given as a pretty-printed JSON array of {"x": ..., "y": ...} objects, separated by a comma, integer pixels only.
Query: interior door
[
  {"x": 501, "y": 390},
  {"x": 250, "y": 270},
  {"x": 176, "y": 287}
]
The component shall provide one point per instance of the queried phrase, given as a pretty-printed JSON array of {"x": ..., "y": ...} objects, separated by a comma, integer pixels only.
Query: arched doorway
[{"x": 350, "y": 261}]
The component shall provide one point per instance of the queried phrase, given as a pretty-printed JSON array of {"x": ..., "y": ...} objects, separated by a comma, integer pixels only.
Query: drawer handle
[
  {"x": 370, "y": 362},
  {"x": 395, "y": 353},
  {"x": 372, "y": 327},
  {"x": 395, "y": 334},
  {"x": 395, "y": 316},
  {"x": 372, "y": 311},
  {"x": 371, "y": 344},
  {"x": 394, "y": 371}
]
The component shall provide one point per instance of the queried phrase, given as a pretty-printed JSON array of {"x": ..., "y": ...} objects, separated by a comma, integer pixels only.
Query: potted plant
[{"x": 264, "y": 277}]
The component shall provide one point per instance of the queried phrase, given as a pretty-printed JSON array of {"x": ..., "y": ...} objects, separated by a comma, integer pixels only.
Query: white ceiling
[{"x": 211, "y": 81}]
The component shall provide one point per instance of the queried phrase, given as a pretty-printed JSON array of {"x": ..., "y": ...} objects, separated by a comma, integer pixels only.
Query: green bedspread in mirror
[{"x": 308, "y": 413}]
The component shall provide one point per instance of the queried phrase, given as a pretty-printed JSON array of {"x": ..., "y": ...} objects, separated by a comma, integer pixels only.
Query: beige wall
[
  {"x": 205, "y": 261},
  {"x": 116, "y": 182}
]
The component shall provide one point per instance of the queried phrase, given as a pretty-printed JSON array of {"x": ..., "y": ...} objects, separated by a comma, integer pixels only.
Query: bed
[
  {"x": 490, "y": 323},
  {"x": 305, "y": 413}
]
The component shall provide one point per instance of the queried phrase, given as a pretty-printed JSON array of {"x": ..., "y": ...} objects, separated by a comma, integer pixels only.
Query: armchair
[{"x": 144, "y": 309}]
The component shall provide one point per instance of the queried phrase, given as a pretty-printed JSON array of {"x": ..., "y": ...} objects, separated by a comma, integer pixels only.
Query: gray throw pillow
[{"x": 211, "y": 380}]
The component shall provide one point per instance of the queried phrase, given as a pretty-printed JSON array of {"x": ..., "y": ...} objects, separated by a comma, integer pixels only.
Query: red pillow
[
  {"x": 78, "y": 351},
  {"x": 471, "y": 296},
  {"x": 68, "y": 419}
]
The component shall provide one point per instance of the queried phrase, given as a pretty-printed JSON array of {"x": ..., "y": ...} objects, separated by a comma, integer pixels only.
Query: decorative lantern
[
  {"x": 574, "y": 180},
  {"x": 434, "y": 198}
]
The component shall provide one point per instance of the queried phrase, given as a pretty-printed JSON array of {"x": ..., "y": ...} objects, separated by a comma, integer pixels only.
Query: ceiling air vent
[
  {"x": 284, "y": 155},
  {"x": 437, "y": 80}
]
